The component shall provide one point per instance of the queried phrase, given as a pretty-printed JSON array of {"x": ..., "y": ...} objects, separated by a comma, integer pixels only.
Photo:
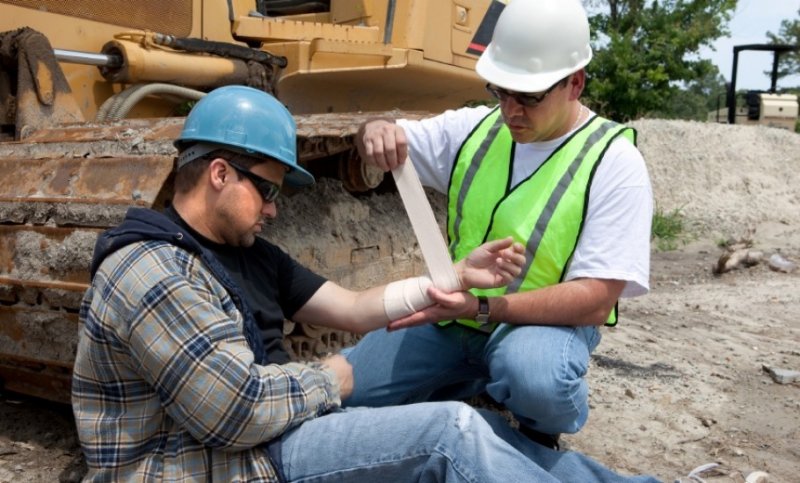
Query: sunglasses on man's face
[
  {"x": 527, "y": 100},
  {"x": 268, "y": 190}
]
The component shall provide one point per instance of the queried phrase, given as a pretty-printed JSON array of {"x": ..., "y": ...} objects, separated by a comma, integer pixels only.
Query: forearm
[
  {"x": 361, "y": 312},
  {"x": 368, "y": 311},
  {"x": 576, "y": 302}
]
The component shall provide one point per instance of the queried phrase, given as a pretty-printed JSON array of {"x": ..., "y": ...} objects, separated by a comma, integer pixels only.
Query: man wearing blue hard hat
[{"x": 173, "y": 380}]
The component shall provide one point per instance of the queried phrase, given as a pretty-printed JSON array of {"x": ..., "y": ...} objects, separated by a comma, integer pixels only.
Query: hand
[
  {"x": 447, "y": 306},
  {"x": 382, "y": 143},
  {"x": 344, "y": 374},
  {"x": 492, "y": 264}
]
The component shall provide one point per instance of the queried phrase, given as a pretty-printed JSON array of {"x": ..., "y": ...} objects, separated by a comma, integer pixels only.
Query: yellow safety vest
[{"x": 545, "y": 212}]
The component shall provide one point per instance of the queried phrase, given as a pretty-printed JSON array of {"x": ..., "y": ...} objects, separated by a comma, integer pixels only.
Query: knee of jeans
[
  {"x": 549, "y": 394},
  {"x": 546, "y": 393},
  {"x": 535, "y": 377},
  {"x": 558, "y": 409},
  {"x": 456, "y": 415},
  {"x": 442, "y": 420}
]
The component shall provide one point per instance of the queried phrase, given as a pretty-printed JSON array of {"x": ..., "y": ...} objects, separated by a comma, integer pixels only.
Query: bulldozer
[{"x": 92, "y": 93}]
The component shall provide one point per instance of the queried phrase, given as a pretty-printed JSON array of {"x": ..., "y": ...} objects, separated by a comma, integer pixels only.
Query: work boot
[{"x": 544, "y": 439}]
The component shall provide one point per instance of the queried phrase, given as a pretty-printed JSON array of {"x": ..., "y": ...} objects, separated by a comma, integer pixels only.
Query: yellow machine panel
[{"x": 91, "y": 94}]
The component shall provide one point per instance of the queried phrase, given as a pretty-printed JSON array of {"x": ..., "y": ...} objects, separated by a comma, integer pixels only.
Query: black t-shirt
[{"x": 276, "y": 286}]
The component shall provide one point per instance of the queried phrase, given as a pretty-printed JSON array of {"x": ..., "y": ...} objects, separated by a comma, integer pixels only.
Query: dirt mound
[{"x": 724, "y": 179}]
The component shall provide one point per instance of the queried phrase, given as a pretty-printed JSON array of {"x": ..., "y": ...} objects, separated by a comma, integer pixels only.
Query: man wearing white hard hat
[{"x": 565, "y": 182}]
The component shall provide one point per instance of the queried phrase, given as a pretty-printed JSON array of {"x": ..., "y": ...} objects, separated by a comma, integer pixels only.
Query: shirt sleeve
[
  {"x": 186, "y": 341},
  {"x": 296, "y": 283}
]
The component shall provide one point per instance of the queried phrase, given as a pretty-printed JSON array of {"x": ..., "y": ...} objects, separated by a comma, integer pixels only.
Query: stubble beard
[{"x": 233, "y": 235}]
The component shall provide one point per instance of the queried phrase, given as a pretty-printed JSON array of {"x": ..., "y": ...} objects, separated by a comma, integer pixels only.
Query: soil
[{"x": 681, "y": 380}]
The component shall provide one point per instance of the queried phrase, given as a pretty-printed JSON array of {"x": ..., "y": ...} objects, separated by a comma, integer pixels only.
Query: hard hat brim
[
  {"x": 503, "y": 76},
  {"x": 297, "y": 176}
]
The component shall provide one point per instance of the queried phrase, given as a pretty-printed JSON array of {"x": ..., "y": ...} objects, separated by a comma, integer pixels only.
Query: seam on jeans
[
  {"x": 427, "y": 454},
  {"x": 456, "y": 466},
  {"x": 564, "y": 368},
  {"x": 322, "y": 475}
]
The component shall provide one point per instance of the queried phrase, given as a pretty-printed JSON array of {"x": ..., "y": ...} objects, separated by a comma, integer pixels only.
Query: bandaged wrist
[{"x": 404, "y": 297}]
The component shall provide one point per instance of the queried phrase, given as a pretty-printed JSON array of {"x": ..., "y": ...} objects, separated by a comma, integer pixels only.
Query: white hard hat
[{"x": 535, "y": 44}]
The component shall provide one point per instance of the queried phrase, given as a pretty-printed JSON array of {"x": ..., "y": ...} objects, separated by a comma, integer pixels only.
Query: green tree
[
  {"x": 696, "y": 99},
  {"x": 647, "y": 51},
  {"x": 789, "y": 34}
]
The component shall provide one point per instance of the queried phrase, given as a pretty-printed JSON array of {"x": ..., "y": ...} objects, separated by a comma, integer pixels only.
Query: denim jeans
[
  {"x": 537, "y": 372},
  {"x": 427, "y": 442}
]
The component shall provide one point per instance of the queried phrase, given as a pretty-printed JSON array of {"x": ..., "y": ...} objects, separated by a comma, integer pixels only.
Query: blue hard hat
[{"x": 246, "y": 120}]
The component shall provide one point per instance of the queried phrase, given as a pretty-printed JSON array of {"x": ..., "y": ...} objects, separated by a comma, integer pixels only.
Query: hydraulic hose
[{"x": 118, "y": 106}]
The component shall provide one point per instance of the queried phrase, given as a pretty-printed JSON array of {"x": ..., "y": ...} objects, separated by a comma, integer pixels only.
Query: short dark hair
[{"x": 189, "y": 174}]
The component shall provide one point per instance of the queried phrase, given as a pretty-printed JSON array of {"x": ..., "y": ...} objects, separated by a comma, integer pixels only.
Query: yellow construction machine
[
  {"x": 91, "y": 94},
  {"x": 767, "y": 108}
]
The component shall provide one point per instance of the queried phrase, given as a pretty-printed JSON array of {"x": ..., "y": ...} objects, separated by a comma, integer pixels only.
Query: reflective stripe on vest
[{"x": 544, "y": 212}]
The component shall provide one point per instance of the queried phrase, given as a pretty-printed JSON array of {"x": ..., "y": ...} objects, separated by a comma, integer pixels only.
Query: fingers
[
  {"x": 401, "y": 143},
  {"x": 507, "y": 248},
  {"x": 499, "y": 244},
  {"x": 513, "y": 259},
  {"x": 382, "y": 143},
  {"x": 514, "y": 253},
  {"x": 445, "y": 299},
  {"x": 510, "y": 262},
  {"x": 413, "y": 320},
  {"x": 506, "y": 271},
  {"x": 513, "y": 249},
  {"x": 447, "y": 306},
  {"x": 344, "y": 373},
  {"x": 514, "y": 266}
]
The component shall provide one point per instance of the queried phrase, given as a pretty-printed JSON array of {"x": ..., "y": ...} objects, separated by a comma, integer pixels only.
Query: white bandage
[
  {"x": 404, "y": 297},
  {"x": 430, "y": 238}
]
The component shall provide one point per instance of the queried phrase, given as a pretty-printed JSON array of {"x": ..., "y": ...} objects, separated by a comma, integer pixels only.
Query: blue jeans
[
  {"x": 537, "y": 372},
  {"x": 427, "y": 442}
]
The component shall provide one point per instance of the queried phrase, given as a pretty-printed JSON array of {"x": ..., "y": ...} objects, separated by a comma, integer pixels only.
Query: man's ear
[
  {"x": 577, "y": 81},
  {"x": 218, "y": 173}
]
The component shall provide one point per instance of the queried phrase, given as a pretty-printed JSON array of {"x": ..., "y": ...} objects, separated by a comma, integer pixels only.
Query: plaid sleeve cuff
[{"x": 329, "y": 396}]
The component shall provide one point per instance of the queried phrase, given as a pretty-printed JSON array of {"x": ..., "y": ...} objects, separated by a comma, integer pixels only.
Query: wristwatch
[{"x": 483, "y": 310}]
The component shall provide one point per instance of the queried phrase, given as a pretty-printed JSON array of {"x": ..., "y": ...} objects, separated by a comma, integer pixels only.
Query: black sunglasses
[
  {"x": 266, "y": 188},
  {"x": 527, "y": 100}
]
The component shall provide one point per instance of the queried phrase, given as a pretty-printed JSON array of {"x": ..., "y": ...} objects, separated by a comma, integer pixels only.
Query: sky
[{"x": 750, "y": 23}]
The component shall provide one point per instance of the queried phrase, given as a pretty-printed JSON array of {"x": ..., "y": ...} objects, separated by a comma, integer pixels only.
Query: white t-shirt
[{"x": 615, "y": 241}]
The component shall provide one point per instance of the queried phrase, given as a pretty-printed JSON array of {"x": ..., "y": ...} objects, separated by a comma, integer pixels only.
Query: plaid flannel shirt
[{"x": 165, "y": 387}]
